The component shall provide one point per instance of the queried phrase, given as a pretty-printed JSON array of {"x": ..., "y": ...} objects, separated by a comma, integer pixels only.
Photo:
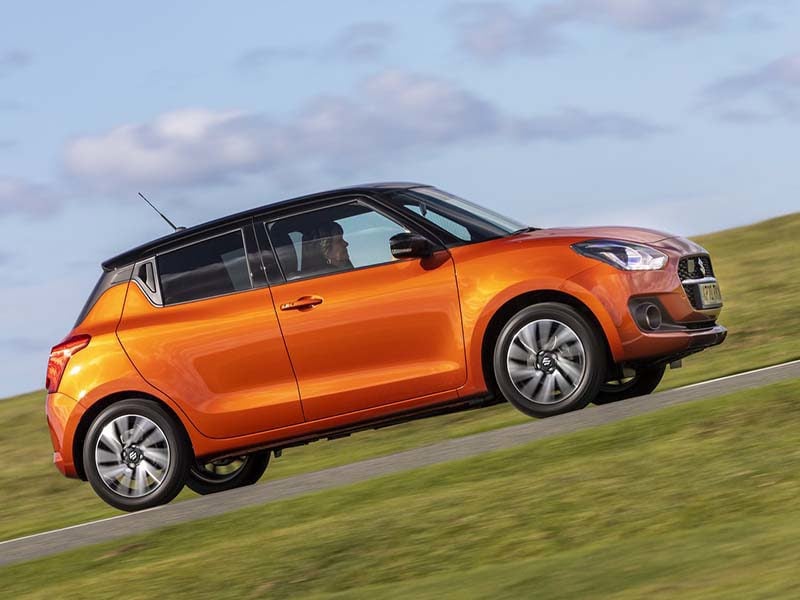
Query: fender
[
  {"x": 475, "y": 330},
  {"x": 105, "y": 372}
]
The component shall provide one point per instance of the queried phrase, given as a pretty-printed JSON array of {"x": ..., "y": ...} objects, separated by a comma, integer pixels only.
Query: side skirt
[{"x": 451, "y": 406}]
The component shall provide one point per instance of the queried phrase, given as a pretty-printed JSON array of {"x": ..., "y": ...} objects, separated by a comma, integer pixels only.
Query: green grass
[
  {"x": 760, "y": 277},
  {"x": 696, "y": 501},
  {"x": 35, "y": 497},
  {"x": 758, "y": 268}
]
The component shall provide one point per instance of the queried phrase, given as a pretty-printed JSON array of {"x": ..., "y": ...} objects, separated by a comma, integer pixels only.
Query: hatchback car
[{"x": 200, "y": 354}]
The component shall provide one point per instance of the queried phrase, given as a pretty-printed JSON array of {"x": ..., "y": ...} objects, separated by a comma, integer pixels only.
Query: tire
[
  {"x": 642, "y": 383},
  {"x": 227, "y": 474},
  {"x": 136, "y": 456},
  {"x": 548, "y": 360}
]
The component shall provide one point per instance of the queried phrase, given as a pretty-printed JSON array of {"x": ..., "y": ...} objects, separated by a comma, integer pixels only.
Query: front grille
[
  {"x": 694, "y": 267},
  {"x": 693, "y": 294}
]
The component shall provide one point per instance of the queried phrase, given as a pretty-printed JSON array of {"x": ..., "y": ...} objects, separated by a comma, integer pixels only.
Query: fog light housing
[{"x": 648, "y": 316}]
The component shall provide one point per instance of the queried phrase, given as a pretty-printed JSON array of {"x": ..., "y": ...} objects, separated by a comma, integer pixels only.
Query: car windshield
[{"x": 463, "y": 220}]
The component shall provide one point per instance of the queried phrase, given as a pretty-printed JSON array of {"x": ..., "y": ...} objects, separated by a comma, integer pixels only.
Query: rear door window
[{"x": 212, "y": 267}]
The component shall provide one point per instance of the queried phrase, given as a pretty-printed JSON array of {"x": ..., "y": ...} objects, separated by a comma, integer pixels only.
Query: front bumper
[
  {"x": 662, "y": 347},
  {"x": 685, "y": 330}
]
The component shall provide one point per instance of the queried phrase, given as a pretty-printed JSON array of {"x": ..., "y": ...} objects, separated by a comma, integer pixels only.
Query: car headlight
[{"x": 622, "y": 255}]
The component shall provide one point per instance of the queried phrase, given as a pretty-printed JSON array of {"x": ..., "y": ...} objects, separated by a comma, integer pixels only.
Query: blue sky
[{"x": 676, "y": 114}]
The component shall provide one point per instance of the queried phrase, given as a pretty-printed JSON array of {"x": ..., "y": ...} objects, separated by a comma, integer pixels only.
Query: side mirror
[{"x": 410, "y": 245}]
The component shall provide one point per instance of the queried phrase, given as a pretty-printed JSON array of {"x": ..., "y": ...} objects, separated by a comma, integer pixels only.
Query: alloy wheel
[
  {"x": 132, "y": 456},
  {"x": 221, "y": 470},
  {"x": 546, "y": 361}
]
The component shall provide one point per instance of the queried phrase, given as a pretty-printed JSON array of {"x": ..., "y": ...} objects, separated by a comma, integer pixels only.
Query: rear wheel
[
  {"x": 644, "y": 381},
  {"x": 227, "y": 473},
  {"x": 548, "y": 359},
  {"x": 135, "y": 455}
]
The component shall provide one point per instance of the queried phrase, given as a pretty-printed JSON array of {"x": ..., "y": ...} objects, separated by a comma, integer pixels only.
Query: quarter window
[
  {"x": 338, "y": 238},
  {"x": 212, "y": 267}
]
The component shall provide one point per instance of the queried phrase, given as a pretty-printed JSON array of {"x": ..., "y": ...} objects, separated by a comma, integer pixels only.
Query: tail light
[{"x": 59, "y": 357}]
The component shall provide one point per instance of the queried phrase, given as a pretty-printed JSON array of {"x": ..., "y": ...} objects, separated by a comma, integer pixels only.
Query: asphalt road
[{"x": 68, "y": 538}]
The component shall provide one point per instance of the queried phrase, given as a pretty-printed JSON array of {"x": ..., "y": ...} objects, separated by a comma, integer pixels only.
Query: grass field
[
  {"x": 696, "y": 501},
  {"x": 758, "y": 268},
  {"x": 759, "y": 271}
]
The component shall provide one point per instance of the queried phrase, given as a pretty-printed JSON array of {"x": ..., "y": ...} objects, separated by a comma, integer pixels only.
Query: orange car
[{"x": 200, "y": 354}]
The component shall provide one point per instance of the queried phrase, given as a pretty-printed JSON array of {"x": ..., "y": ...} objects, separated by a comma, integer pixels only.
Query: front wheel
[
  {"x": 135, "y": 455},
  {"x": 644, "y": 381},
  {"x": 210, "y": 477},
  {"x": 548, "y": 360}
]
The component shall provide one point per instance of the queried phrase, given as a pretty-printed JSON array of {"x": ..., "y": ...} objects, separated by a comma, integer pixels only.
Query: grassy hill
[
  {"x": 758, "y": 267},
  {"x": 759, "y": 270},
  {"x": 696, "y": 501}
]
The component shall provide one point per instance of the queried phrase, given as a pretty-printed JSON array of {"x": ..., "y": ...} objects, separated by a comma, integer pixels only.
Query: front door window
[{"x": 330, "y": 240}]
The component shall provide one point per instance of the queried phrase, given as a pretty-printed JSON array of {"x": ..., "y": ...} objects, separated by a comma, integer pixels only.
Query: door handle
[{"x": 302, "y": 303}]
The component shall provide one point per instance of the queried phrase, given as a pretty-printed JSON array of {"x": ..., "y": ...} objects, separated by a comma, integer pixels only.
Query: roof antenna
[{"x": 171, "y": 224}]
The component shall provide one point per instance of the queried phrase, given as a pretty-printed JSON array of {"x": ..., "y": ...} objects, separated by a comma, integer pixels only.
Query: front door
[{"x": 362, "y": 328}]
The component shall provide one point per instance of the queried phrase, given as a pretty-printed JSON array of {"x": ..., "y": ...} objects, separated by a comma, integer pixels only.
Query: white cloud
[
  {"x": 18, "y": 196},
  {"x": 12, "y": 106},
  {"x": 364, "y": 41},
  {"x": 13, "y": 60},
  {"x": 262, "y": 56},
  {"x": 386, "y": 117},
  {"x": 782, "y": 73},
  {"x": 188, "y": 145},
  {"x": 658, "y": 15},
  {"x": 574, "y": 124},
  {"x": 492, "y": 30},
  {"x": 773, "y": 87}
]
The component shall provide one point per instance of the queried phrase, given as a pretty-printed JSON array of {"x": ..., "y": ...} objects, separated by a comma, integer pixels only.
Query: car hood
[
  {"x": 628, "y": 234},
  {"x": 658, "y": 239}
]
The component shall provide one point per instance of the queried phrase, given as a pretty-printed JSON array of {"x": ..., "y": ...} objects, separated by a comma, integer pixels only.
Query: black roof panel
[{"x": 147, "y": 248}]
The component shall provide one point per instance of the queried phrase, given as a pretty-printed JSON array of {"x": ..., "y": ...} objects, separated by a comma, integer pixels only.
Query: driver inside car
[{"x": 327, "y": 249}]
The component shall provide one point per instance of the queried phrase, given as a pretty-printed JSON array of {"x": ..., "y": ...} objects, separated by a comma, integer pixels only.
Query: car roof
[{"x": 147, "y": 248}]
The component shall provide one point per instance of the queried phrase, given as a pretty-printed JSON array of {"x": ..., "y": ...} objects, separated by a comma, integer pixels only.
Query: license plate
[{"x": 710, "y": 296}]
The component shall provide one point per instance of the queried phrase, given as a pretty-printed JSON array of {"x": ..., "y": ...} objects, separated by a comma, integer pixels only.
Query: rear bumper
[{"x": 63, "y": 415}]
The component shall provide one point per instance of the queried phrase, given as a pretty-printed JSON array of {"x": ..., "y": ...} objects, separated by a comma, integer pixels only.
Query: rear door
[
  {"x": 362, "y": 328},
  {"x": 199, "y": 324}
]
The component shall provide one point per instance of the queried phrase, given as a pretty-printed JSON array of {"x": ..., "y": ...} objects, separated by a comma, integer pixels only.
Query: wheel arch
[
  {"x": 512, "y": 306},
  {"x": 97, "y": 407}
]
